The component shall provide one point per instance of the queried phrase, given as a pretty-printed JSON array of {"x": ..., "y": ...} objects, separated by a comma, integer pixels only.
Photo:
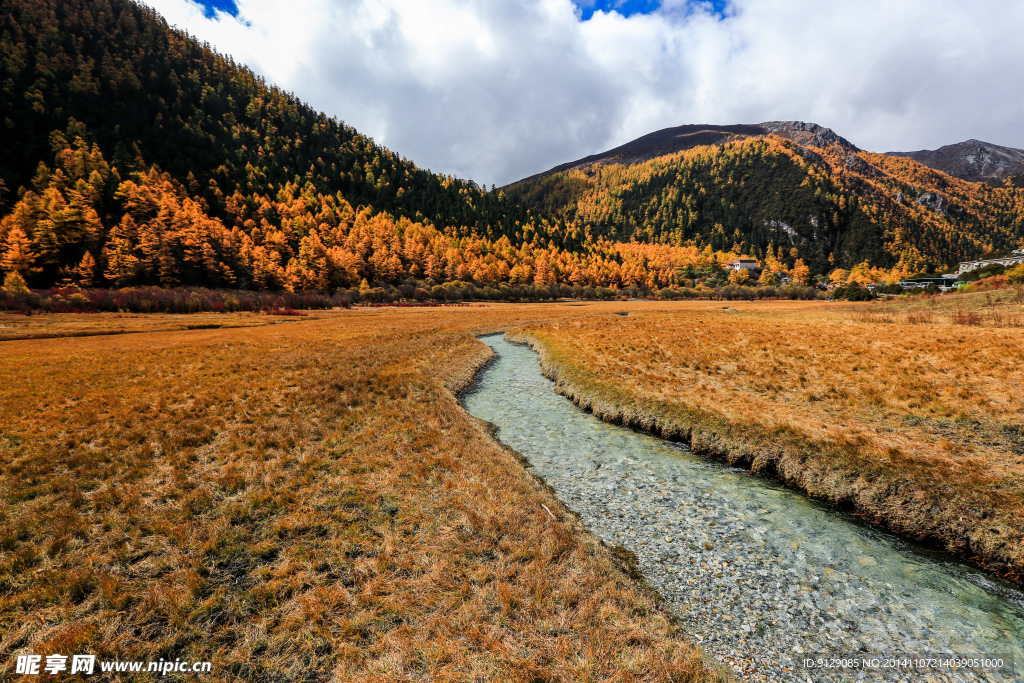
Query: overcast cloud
[{"x": 495, "y": 90}]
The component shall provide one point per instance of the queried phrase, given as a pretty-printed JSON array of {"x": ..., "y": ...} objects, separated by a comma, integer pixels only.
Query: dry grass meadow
[
  {"x": 900, "y": 410},
  {"x": 42, "y": 326},
  {"x": 308, "y": 501},
  {"x": 303, "y": 501}
]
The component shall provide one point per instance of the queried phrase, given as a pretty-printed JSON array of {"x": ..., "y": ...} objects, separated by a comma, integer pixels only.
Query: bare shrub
[
  {"x": 920, "y": 318},
  {"x": 962, "y": 316}
]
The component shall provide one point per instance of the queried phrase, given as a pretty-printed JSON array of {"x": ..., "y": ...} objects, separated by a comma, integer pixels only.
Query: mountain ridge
[
  {"x": 680, "y": 138},
  {"x": 972, "y": 160}
]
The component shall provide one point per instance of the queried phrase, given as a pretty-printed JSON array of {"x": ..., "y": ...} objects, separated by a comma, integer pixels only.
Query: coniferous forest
[{"x": 134, "y": 155}]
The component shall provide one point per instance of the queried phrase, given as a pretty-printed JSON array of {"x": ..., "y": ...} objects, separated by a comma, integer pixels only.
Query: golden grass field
[
  {"x": 308, "y": 501},
  {"x": 42, "y": 326},
  {"x": 303, "y": 501}
]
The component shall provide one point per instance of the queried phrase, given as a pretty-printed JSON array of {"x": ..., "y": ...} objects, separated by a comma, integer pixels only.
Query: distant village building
[
  {"x": 943, "y": 282},
  {"x": 741, "y": 263},
  {"x": 1016, "y": 258}
]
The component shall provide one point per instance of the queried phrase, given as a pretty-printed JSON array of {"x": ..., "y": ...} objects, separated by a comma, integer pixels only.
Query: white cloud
[{"x": 496, "y": 91}]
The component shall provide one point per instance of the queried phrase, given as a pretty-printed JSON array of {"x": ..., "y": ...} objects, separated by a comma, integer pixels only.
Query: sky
[{"x": 495, "y": 91}]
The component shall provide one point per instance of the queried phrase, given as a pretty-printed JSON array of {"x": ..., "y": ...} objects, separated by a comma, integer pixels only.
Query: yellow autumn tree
[
  {"x": 17, "y": 255},
  {"x": 740, "y": 276},
  {"x": 801, "y": 274}
]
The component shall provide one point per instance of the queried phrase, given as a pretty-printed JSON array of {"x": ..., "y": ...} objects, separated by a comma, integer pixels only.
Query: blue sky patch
[
  {"x": 628, "y": 8},
  {"x": 210, "y": 7},
  {"x": 623, "y": 7},
  {"x": 719, "y": 7}
]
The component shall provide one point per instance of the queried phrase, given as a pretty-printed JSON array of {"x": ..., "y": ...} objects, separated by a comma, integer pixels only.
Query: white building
[
  {"x": 741, "y": 263},
  {"x": 1016, "y": 259}
]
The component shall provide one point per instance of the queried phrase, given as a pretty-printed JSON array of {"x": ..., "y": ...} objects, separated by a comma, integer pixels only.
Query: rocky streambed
[{"x": 762, "y": 577}]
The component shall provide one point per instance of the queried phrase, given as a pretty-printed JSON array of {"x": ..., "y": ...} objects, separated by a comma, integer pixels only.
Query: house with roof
[{"x": 741, "y": 263}]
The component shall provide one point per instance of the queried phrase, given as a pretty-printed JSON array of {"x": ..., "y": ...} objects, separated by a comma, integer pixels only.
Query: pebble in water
[{"x": 759, "y": 575}]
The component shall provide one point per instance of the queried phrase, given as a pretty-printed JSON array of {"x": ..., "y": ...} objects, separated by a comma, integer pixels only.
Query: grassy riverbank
[
  {"x": 914, "y": 426},
  {"x": 298, "y": 501}
]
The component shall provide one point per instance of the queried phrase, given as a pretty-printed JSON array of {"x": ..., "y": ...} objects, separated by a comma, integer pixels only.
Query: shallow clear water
[{"x": 762, "y": 576}]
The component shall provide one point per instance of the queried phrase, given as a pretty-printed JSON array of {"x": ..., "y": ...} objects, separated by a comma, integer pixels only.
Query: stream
[{"x": 763, "y": 578}]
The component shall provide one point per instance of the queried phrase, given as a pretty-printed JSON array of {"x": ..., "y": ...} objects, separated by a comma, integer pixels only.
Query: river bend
[{"x": 761, "y": 576}]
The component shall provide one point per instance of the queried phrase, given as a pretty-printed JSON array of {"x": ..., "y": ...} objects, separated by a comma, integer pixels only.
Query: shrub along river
[{"x": 761, "y": 576}]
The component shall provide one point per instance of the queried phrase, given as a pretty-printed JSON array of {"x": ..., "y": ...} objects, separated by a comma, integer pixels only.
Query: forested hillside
[
  {"x": 135, "y": 155},
  {"x": 149, "y": 95},
  {"x": 831, "y": 205}
]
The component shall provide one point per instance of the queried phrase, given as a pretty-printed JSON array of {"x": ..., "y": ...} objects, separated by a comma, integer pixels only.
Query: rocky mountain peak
[{"x": 807, "y": 134}]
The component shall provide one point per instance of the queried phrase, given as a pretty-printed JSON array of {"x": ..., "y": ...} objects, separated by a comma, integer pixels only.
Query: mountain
[
  {"x": 971, "y": 160},
  {"x": 680, "y": 138},
  {"x": 790, "y": 190}
]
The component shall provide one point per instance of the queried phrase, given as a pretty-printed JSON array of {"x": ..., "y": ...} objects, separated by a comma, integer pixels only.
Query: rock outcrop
[{"x": 807, "y": 134}]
